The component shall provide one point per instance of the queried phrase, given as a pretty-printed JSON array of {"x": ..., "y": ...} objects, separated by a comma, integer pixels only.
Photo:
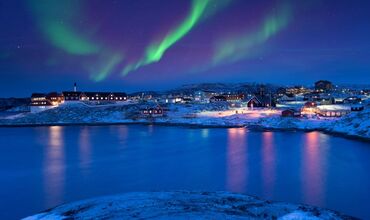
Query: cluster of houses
[
  {"x": 234, "y": 99},
  {"x": 44, "y": 101},
  {"x": 324, "y": 99}
]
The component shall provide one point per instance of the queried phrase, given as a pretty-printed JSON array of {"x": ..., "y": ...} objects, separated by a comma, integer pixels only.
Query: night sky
[{"x": 129, "y": 45}]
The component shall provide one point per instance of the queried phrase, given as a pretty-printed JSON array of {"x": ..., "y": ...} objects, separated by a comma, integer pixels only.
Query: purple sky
[{"x": 47, "y": 45}]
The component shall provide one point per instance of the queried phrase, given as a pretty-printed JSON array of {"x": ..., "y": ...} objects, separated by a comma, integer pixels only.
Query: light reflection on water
[
  {"x": 54, "y": 168},
  {"x": 268, "y": 164},
  {"x": 64, "y": 164},
  {"x": 85, "y": 150},
  {"x": 314, "y": 169},
  {"x": 236, "y": 160}
]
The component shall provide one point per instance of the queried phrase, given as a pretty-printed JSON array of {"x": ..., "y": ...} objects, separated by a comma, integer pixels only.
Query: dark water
[{"x": 43, "y": 167}]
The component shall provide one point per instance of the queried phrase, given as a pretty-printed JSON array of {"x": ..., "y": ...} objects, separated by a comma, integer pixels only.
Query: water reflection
[
  {"x": 54, "y": 170},
  {"x": 313, "y": 170},
  {"x": 123, "y": 133},
  {"x": 150, "y": 128},
  {"x": 268, "y": 164},
  {"x": 205, "y": 133},
  {"x": 236, "y": 160},
  {"x": 85, "y": 149}
]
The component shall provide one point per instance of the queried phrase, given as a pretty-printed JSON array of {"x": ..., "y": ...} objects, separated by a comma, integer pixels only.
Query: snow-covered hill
[
  {"x": 185, "y": 205},
  {"x": 355, "y": 124}
]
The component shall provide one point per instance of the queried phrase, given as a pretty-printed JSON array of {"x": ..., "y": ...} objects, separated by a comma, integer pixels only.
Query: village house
[
  {"x": 200, "y": 96},
  {"x": 96, "y": 96},
  {"x": 309, "y": 108},
  {"x": 287, "y": 98},
  {"x": 297, "y": 90},
  {"x": 41, "y": 101},
  {"x": 187, "y": 100},
  {"x": 72, "y": 96},
  {"x": 291, "y": 113},
  {"x": 261, "y": 99},
  {"x": 234, "y": 97},
  {"x": 105, "y": 96},
  {"x": 55, "y": 98},
  {"x": 313, "y": 96},
  {"x": 152, "y": 111},
  {"x": 217, "y": 98},
  {"x": 174, "y": 100},
  {"x": 280, "y": 92},
  {"x": 333, "y": 113},
  {"x": 326, "y": 100},
  {"x": 252, "y": 101},
  {"x": 333, "y": 110},
  {"x": 352, "y": 100}
]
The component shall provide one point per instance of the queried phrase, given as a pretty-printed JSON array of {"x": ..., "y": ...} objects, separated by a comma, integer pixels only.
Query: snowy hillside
[
  {"x": 357, "y": 124},
  {"x": 185, "y": 205},
  {"x": 209, "y": 115}
]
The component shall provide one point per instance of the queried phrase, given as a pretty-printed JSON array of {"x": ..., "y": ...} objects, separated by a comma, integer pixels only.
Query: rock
[{"x": 185, "y": 205}]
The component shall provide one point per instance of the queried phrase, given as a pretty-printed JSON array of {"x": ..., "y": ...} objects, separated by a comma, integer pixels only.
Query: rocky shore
[{"x": 185, "y": 205}]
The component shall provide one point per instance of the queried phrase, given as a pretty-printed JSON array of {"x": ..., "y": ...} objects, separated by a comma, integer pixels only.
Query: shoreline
[{"x": 252, "y": 127}]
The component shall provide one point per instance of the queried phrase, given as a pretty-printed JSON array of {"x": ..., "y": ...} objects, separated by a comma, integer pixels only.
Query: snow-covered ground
[
  {"x": 354, "y": 124},
  {"x": 185, "y": 205}
]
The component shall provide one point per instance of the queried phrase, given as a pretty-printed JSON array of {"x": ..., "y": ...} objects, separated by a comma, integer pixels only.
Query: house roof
[
  {"x": 104, "y": 94},
  {"x": 119, "y": 94},
  {"x": 71, "y": 93},
  {"x": 249, "y": 98},
  {"x": 38, "y": 95},
  {"x": 54, "y": 94}
]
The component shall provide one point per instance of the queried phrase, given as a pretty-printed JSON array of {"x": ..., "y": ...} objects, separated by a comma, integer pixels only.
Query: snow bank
[{"x": 185, "y": 205}]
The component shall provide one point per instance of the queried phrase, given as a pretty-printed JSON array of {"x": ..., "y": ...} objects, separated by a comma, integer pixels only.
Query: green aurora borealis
[
  {"x": 59, "y": 30},
  {"x": 162, "y": 43}
]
